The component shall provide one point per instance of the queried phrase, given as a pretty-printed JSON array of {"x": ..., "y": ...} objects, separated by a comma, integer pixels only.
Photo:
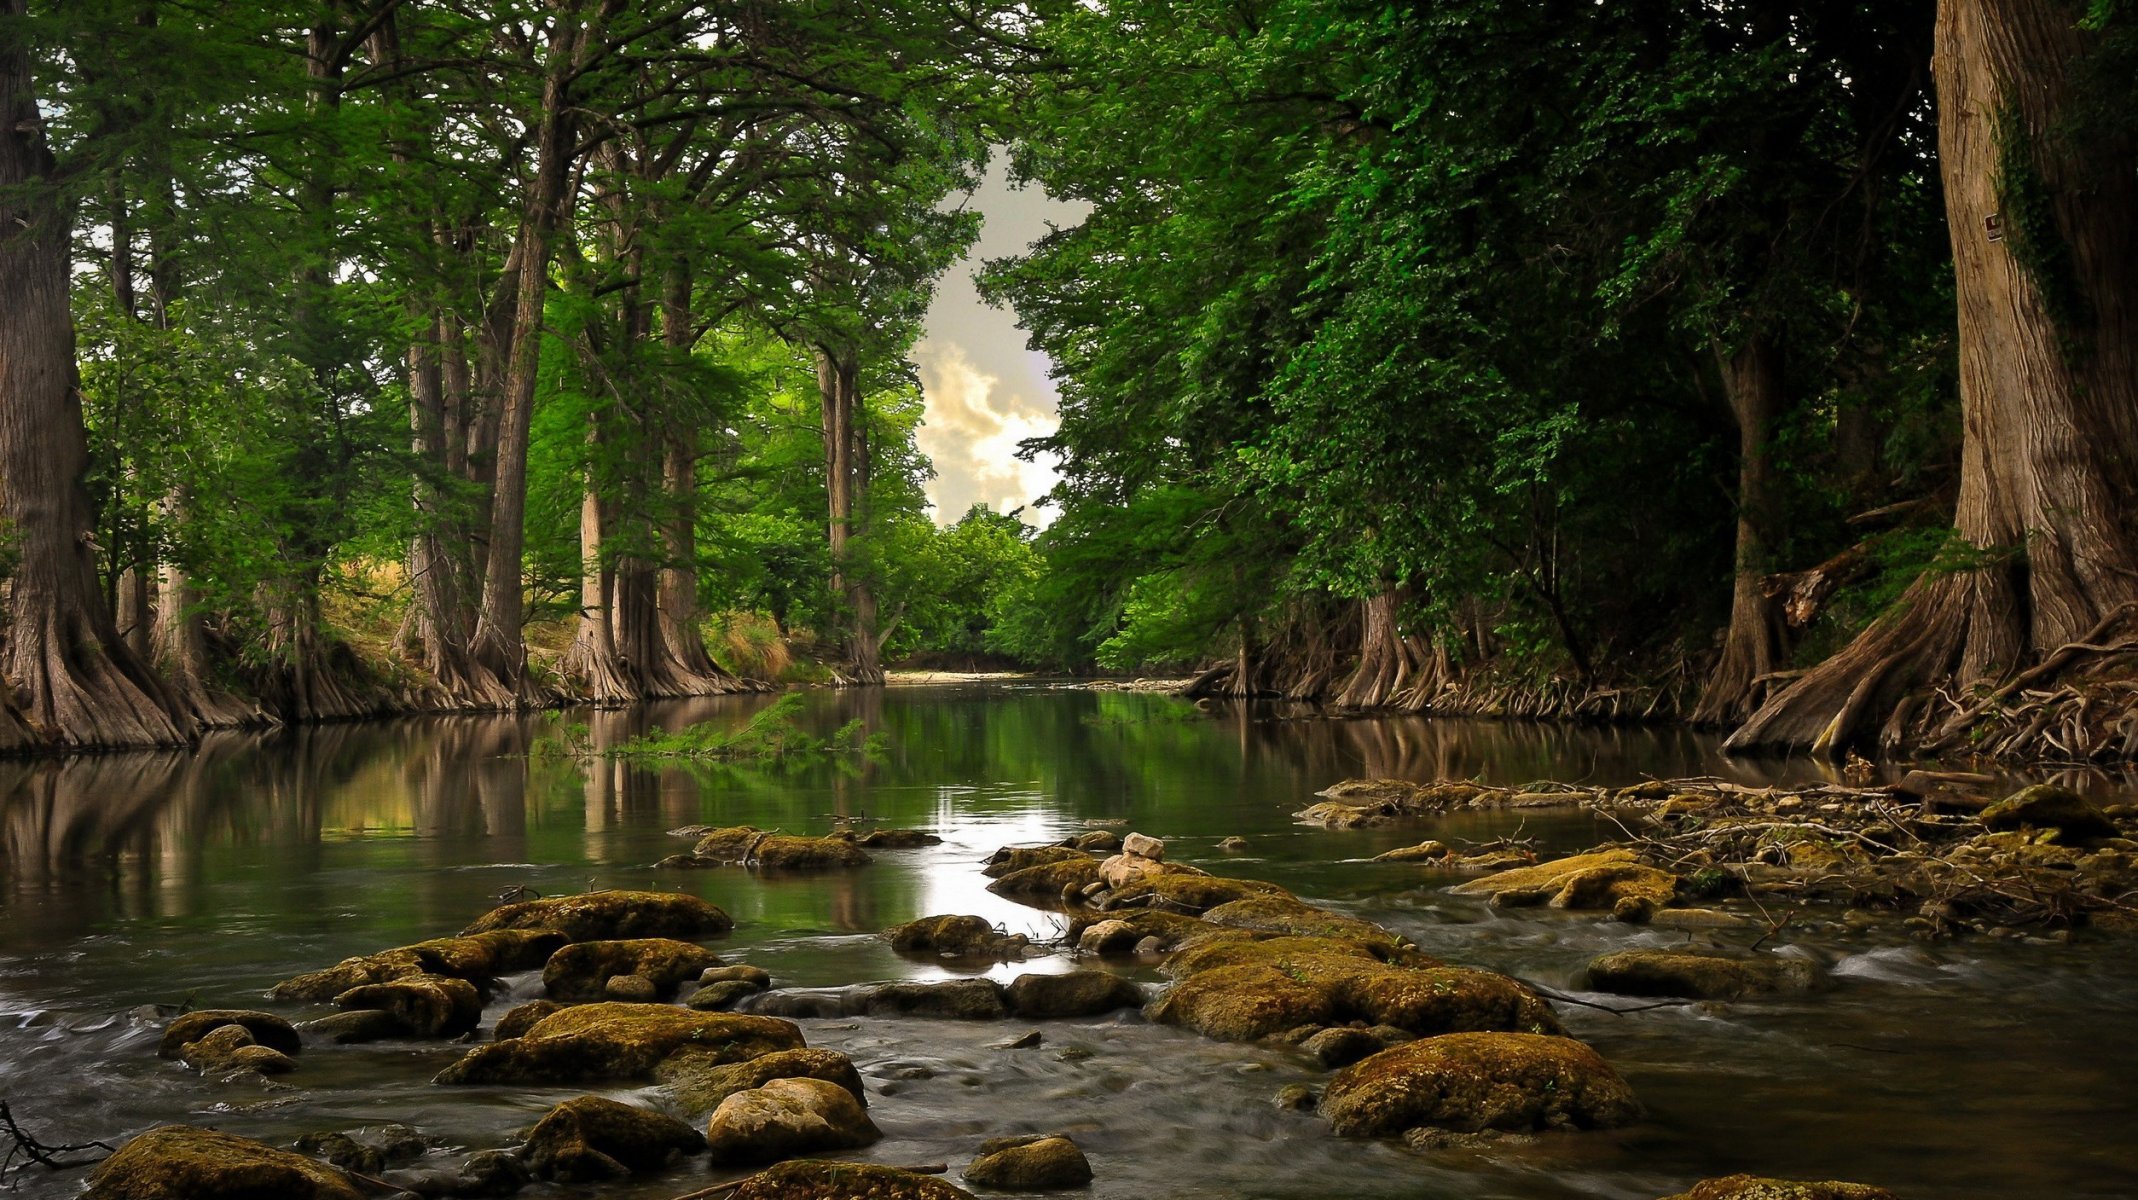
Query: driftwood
[{"x": 23, "y": 1145}]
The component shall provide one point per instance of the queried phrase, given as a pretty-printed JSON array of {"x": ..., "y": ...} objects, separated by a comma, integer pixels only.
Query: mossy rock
[
  {"x": 2046, "y": 806},
  {"x": 1046, "y": 881},
  {"x": 581, "y": 971},
  {"x": 1336, "y": 814},
  {"x": 1196, "y": 893},
  {"x": 1244, "y": 1003},
  {"x": 1426, "y": 851},
  {"x": 816, "y": 1179},
  {"x": 595, "y": 1042},
  {"x": 950, "y": 999},
  {"x": 596, "y": 916},
  {"x": 1011, "y": 859},
  {"x": 592, "y": 1139},
  {"x": 1291, "y": 916},
  {"x": 955, "y": 937},
  {"x": 1411, "y": 797},
  {"x": 179, "y": 1162},
  {"x": 230, "y": 1048},
  {"x": 1343, "y": 1045},
  {"x": 1752, "y": 1187},
  {"x": 1436, "y": 1000},
  {"x": 358, "y": 1026},
  {"x": 1475, "y": 1082},
  {"x": 521, "y": 1018},
  {"x": 430, "y": 1005},
  {"x": 793, "y": 1115},
  {"x": 1036, "y": 1163},
  {"x": 700, "y": 1081},
  {"x": 478, "y": 959},
  {"x": 267, "y": 1029},
  {"x": 747, "y": 845},
  {"x": 723, "y": 994},
  {"x": 897, "y": 839},
  {"x": 1209, "y": 954},
  {"x": 1601, "y": 880},
  {"x": 1173, "y": 930},
  {"x": 1702, "y": 976},
  {"x": 1074, "y": 994}
]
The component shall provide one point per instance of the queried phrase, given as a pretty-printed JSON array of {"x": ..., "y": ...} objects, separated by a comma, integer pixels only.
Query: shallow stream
[{"x": 1983, "y": 1068}]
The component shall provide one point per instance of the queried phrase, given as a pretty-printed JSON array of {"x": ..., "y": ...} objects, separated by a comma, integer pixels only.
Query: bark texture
[
  {"x": 77, "y": 683},
  {"x": 2048, "y": 328},
  {"x": 1752, "y": 379},
  {"x": 846, "y": 457}
]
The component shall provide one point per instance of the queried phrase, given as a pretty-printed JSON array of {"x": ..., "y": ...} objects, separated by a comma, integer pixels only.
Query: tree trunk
[
  {"x": 78, "y": 685},
  {"x": 1385, "y": 666},
  {"x": 1752, "y": 379},
  {"x": 677, "y": 601},
  {"x": 181, "y": 646},
  {"x": 839, "y": 388},
  {"x": 2048, "y": 323},
  {"x": 498, "y": 642},
  {"x": 592, "y": 661}
]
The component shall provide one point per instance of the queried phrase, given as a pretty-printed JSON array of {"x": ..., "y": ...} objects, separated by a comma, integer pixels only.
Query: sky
[{"x": 983, "y": 389}]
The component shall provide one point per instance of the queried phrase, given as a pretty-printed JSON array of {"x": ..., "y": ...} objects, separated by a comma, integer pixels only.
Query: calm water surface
[{"x": 1982, "y": 1069}]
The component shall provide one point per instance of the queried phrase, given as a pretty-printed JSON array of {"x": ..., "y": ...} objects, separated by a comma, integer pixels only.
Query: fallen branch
[{"x": 22, "y": 1144}]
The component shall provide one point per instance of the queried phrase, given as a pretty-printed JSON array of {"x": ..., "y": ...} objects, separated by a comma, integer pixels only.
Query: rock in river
[
  {"x": 1011, "y": 859},
  {"x": 1036, "y": 1163},
  {"x": 228, "y": 1048},
  {"x": 787, "y": 1117},
  {"x": 179, "y": 1162},
  {"x": 266, "y": 1028},
  {"x": 952, "y": 999},
  {"x": 1472, "y": 1082},
  {"x": 955, "y": 937},
  {"x": 1075, "y": 994},
  {"x": 429, "y": 1005},
  {"x": 477, "y": 958},
  {"x": 1749, "y": 1187},
  {"x": 700, "y": 1081},
  {"x": 1703, "y": 976},
  {"x": 2046, "y": 806},
  {"x": 750, "y": 846},
  {"x": 582, "y": 970},
  {"x": 610, "y": 915},
  {"x": 609, "y": 1041},
  {"x": 592, "y": 1138},
  {"x": 810, "y": 1179},
  {"x": 1602, "y": 880}
]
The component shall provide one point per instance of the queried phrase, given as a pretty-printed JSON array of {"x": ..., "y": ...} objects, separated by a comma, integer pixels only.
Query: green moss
[
  {"x": 592, "y": 1138},
  {"x": 175, "y": 1162},
  {"x": 594, "y": 1042},
  {"x": 1472, "y": 1082},
  {"x": 700, "y": 1080},
  {"x": 609, "y": 915},
  {"x": 813, "y": 1179},
  {"x": 581, "y": 970}
]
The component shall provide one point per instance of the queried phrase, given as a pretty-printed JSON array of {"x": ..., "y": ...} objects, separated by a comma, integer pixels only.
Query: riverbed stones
[
  {"x": 749, "y": 846},
  {"x": 1011, "y": 859},
  {"x": 1476, "y": 1082},
  {"x": 897, "y": 839},
  {"x": 813, "y": 1179},
  {"x": 950, "y": 999},
  {"x": 787, "y": 1117},
  {"x": 1036, "y": 997},
  {"x": 1144, "y": 846},
  {"x": 521, "y": 1018},
  {"x": 700, "y": 1081},
  {"x": 1123, "y": 931},
  {"x": 1342, "y": 1045},
  {"x": 722, "y": 995},
  {"x": 583, "y": 970},
  {"x": 179, "y": 1162},
  {"x": 610, "y": 916},
  {"x": 429, "y": 1005},
  {"x": 1752, "y": 1187},
  {"x": 1047, "y": 881},
  {"x": 357, "y": 1027},
  {"x": 1701, "y": 975},
  {"x": 267, "y": 1029},
  {"x": 1290, "y": 916},
  {"x": 1182, "y": 892},
  {"x": 966, "y": 937},
  {"x": 609, "y": 1041},
  {"x": 2047, "y": 806},
  {"x": 228, "y": 1049},
  {"x": 592, "y": 1139},
  {"x": 1032, "y": 1163},
  {"x": 1097, "y": 841},
  {"x": 1600, "y": 880},
  {"x": 477, "y": 958}
]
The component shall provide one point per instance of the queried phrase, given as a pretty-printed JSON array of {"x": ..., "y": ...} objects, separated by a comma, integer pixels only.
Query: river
[{"x": 1980, "y": 1068}]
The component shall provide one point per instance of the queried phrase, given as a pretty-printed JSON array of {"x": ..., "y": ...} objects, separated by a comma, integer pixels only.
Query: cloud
[{"x": 971, "y": 430}]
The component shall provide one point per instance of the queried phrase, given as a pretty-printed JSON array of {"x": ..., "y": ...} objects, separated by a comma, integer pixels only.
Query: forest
[{"x": 1771, "y": 366}]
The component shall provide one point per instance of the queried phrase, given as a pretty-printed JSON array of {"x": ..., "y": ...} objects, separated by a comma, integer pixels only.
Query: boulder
[
  {"x": 749, "y": 846},
  {"x": 811, "y": 1179},
  {"x": 955, "y": 937},
  {"x": 178, "y": 1162},
  {"x": 897, "y": 839},
  {"x": 1426, "y": 851},
  {"x": 429, "y": 1005},
  {"x": 1291, "y": 916},
  {"x": 610, "y": 915},
  {"x": 591, "y": 1139},
  {"x": 1011, "y": 859},
  {"x": 1403, "y": 795},
  {"x": 951, "y": 999},
  {"x": 701, "y": 1081},
  {"x": 230, "y": 1048},
  {"x": 358, "y": 1026},
  {"x": 1700, "y": 975},
  {"x": 582, "y": 970},
  {"x": 609, "y": 1041},
  {"x": 1182, "y": 892},
  {"x": 1120, "y": 932},
  {"x": 737, "y": 973},
  {"x": 787, "y": 1117},
  {"x": 477, "y": 958},
  {"x": 387, "y": 1145},
  {"x": 521, "y": 1018},
  {"x": 632, "y": 989},
  {"x": 1075, "y": 994},
  {"x": 1144, "y": 847},
  {"x": 723, "y": 994},
  {"x": 1474, "y": 1082},
  {"x": 267, "y": 1029},
  {"x": 1335, "y": 814},
  {"x": 1046, "y": 881},
  {"x": 1751, "y": 1187},
  {"x": 2046, "y": 806},
  {"x": 1601, "y": 880},
  {"x": 1098, "y": 841},
  {"x": 1038, "y": 1163},
  {"x": 1346, "y": 1044}
]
